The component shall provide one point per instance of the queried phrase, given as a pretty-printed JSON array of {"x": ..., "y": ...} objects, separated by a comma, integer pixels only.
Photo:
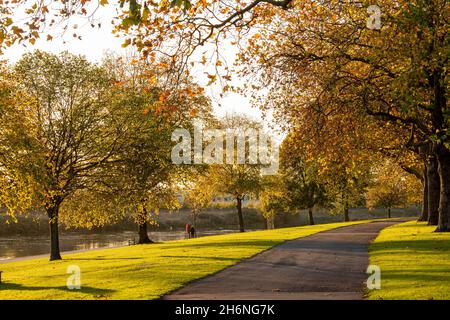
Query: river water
[{"x": 23, "y": 246}]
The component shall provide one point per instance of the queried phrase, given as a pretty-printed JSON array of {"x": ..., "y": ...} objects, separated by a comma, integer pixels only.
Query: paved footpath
[{"x": 326, "y": 265}]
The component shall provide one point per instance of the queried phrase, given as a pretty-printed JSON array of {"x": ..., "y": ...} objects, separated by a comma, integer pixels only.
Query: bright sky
[{"x": 95, "y": 41}]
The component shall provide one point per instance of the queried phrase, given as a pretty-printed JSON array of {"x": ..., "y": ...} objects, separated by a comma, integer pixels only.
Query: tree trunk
[
  {"x": 440, "y": 125},
  {"x": 270, "y": 223},
  {"x": 310, "y": 216},
  {"x": 389, "y": 213},
  {"x": 142, "y": 228},
  {"x": 433, "y": 192},
  {"x": 346, "y": 214},
  {"x": 53, "y": 213},
  {"x": 424, "y": 213},
  {"x": 194, "y": 219},
  {"x": 239, "y": 212},
  {"x": 443, "y": 155}
]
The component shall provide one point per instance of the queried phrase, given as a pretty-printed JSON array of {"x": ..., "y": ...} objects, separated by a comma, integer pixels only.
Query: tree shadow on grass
[
  {"x": 429, "y": 246},
  {"x": 205, "y": 258},
  {"x": 238, "y": 243},
  {"x": 99, "y": 259},
  {"x": 441, "y": 275},
  {"x": 84, "y": 289}
]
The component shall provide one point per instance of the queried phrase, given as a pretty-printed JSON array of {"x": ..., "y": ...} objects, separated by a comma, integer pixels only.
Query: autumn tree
[
  {"x": 302, "y": 181},
  {"x": 392, "y": 188},
  {"x": 325, "y": 49},
  {"x": 374, "y": 71},
  {"x": 196, "y": 194},
  {"x": 145, "y": 176},
  {"x": 238, "y": 175},
  {"x": 62, "y": 131},
  {"x": 393, "y": 68},
  {"x": 237, "y": 180},
  {"x": 273, "y": 198}
]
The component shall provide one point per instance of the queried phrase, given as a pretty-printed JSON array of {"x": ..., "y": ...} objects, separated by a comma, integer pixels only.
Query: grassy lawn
[
  {"x": 414, "y": 262},
  {"x": 141, "y": 271}
]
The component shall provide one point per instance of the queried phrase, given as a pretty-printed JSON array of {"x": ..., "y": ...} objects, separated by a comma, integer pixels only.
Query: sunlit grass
[
  {"x": 142, "y": 271},
  {"x": 414, "y": 262}
]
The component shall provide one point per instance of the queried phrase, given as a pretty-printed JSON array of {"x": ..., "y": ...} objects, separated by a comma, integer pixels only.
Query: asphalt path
[{"x": 327, "y": 265}]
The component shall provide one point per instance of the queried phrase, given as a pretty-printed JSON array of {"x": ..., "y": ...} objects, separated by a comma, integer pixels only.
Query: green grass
[
  {"x": 414, "y": 262},
  {"x": 142, "y": 271}
]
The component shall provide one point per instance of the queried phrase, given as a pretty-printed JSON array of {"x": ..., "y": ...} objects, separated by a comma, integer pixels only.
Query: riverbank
[
  {"x": 142, "y": 271},
  {"x": 20, "y": 248},
  {"x": 414, "y": 262},
  {"x": 209, "y": 219}
]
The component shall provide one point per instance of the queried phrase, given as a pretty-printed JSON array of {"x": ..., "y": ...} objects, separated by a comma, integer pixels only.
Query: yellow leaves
[
  {"x": 212, "y": 78},
  {"x": 153, "y": 80},
  {"x": 103, "y": 2},
  {"x": 126, "y": 43},
  {"x": 8, "y": 22}
]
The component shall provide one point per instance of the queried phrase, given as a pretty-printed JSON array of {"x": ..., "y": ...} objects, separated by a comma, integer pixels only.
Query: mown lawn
[
  {"x": 414, "y": 262},
  {"x": 141, "y": 271}
]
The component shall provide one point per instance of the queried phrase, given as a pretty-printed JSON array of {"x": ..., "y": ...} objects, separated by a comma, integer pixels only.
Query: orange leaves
[
  {"x": 225, "y": 10},
  {"x": 203, "y": 59},
  {"x": 193, "y": 113},
  {"x": 163, "y": 97},
  {"x": 163, "y": 65},
  {"x": 17, "y": 31}
]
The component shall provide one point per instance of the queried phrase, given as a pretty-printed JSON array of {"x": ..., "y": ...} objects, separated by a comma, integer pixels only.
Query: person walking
[
  {"x": 188, "y": 230},
  {"x": 192, "y": 232}
]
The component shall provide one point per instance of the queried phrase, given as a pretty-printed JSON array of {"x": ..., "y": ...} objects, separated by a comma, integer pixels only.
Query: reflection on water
[{"x": 20, "y": 246}]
